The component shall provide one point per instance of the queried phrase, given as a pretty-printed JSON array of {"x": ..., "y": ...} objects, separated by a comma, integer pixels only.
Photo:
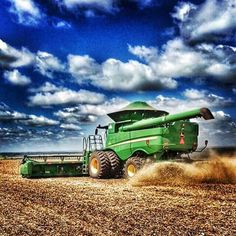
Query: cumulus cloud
[
  {"x": 26, "y": 12},
  {"x": 207, "y": 21},
  {"x": 16, "y": 78},
  {"x": 192, "y": 98},
  {"x": 9, "y": 115},
  {"x": 114, "y": 74},
  {"x": 221, "y": 115},
  {"x": 131, "y": 75},
  {"x": 46, "y": 64},
  {"x": 88, "y": 113},
  {"x": 145, "y": 53},
  {"x": 160, "y": 69},
  {"x": 177, "y": 59},
  {"x": 34, "y": 120},
  {"x": 11, "y": 57},
  {"x": 64, "y": 95},
  {"x": 83, "y": 67},
  {"x": 195, "y": 94},
  {"x": 43, "y": 62},
  {"x": 46, "y": 87},
  {"x": 74, "y": 116}
]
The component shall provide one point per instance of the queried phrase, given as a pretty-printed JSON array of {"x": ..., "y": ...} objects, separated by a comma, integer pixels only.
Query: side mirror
[{"x": 206, "y": 142}]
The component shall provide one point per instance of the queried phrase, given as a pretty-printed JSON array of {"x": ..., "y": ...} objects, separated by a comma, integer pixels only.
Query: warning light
[{"x": 181, "y": 141}]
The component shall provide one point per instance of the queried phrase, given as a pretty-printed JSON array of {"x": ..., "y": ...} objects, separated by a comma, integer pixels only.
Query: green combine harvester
[{"x": 140, "y": 134}]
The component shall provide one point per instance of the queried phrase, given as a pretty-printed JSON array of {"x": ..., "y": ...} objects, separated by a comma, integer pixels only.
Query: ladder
[
  {"x": 95, "y": 143},
  {"x": 91, "y": 144}
]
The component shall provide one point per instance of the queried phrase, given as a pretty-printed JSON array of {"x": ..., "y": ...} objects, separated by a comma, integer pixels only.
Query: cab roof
[{"x": 136, "y": 111}]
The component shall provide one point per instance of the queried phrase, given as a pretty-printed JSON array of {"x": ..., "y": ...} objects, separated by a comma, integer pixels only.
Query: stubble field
[{"x": 164, "y": 199}]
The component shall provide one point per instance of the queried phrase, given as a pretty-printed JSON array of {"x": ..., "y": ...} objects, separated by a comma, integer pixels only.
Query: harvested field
[{"x": 143, "y": 206}]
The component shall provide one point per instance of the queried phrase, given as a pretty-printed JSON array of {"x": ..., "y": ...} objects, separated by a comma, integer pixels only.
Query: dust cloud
[{"x": 215, "y": 170}]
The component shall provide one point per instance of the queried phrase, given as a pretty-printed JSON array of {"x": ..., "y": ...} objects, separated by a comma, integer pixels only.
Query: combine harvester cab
[{"x": 139, "y": 134}]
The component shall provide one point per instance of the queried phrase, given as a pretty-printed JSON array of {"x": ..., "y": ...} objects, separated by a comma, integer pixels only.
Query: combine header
[{"x": 139, "y": 134}]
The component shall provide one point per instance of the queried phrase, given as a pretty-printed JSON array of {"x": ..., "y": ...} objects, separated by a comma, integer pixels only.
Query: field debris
[
  {"x": 9, "y": 167},
  {"x": 85, "y": 206}
]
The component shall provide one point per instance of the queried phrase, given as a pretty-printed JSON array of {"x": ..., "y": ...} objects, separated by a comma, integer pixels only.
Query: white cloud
[
  {"x": 131, "y": 75},
  {"x": 83, "y": 67},
  {"x": 16, "y": 78},
  {"x": 105, "y": 5},
  {"x": 26, "y": 11},
  {"x": 61, "y": 24},
  {"x": 6, "y": 114},
  {"x": 182, "y": 10},
  {"x": 180, "y": 60},
  {"x": 221, "y": 115},
  {"x": 114, "y": 74},
  {"x": 46, "y": 64},
  {"x": 160, "y": 70},
  {"x": 11, "y": 57},
  {"x": 191, "y": 99},
  {"x": 114, "y": 104},
  {"x": 205, "y": 21},
  {"x": 65, "y": 96},
  {"x": 70, "y": 127},
  {"x": 40, "y": 121},
  {"x": 69, "y": 116},
  {"x": 88, "y": 113},
  {"x": 43, "y": 62},
  {"x": 221, "y": 131},
  {"x": 194, "y": 94},
  {"x": 234, "y": 90},
  {"x": 46, "y": 87},
  {"x": 146, "y": 53}
]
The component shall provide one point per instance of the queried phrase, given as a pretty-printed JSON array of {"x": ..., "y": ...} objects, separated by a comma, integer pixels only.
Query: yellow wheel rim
[
  {"x": 94, "y": 166},
  {"x": 131, "y": 170}
]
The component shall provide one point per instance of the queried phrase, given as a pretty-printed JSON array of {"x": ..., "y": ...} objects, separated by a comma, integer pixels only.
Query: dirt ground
[{"x": 85, "y": 206}]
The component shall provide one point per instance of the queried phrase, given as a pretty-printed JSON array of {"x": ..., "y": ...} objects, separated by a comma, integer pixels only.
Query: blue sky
[{"x": 65, "y": 63}]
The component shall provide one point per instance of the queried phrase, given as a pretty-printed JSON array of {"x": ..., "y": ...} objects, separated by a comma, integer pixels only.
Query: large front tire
[
  {"x": 132, "y": 166},
  {"x": 99, "y": 165},
  {"x": 115, "y": 163}
]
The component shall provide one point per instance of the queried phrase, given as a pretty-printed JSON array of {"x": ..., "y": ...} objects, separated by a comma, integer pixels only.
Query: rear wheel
[
  {"x": 132, "y": 165},
  {"x": 115, "y": 163},
  {"x": 99, "y": 165}
]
